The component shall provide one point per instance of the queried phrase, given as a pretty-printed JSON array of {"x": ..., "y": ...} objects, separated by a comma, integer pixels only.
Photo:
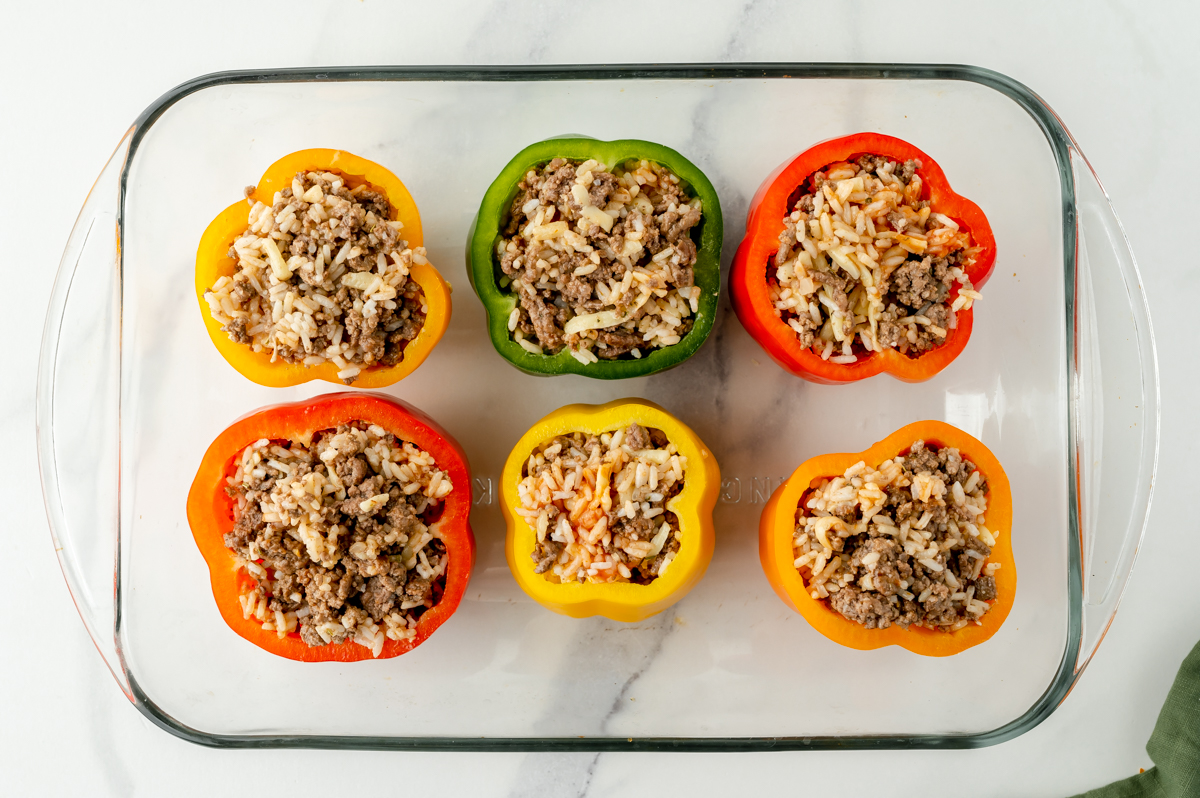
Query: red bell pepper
[
  {"x": 211, "y": 512},
  {"x": 765, "y": 222}
]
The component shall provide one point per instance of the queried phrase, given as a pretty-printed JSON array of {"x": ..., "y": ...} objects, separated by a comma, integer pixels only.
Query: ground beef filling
[
  {"x": 335, "y": 533},
  {"x": 599, "y": 505},
  {"x": 601, "y": 261},
  {"x": 322, "y": 276},
  {"x": 904, "y": 543},
  {"x": 864, "y": 264}
]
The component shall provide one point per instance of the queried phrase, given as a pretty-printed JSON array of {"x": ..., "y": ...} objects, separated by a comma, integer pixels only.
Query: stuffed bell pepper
[
  {"x": 859, "y": 259},
  {"x": 609, "y": 510},
  {"x": 320, "y": 274},
  {"x": 905, "y": 544},
  {"x": 599, "y": 258},
  {"x": 335, "y": 529}
]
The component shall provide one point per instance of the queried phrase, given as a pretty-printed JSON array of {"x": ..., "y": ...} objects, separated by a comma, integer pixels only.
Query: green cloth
[{"x": 1174, "y": 746}]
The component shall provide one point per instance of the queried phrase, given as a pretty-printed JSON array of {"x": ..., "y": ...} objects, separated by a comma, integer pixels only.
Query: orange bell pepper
[
  {"x": 764, "y": 222},
  {"x": 777, "y": 526},
  {"x": 210, "y": 512},
  {"x": 213, "y": 261}
]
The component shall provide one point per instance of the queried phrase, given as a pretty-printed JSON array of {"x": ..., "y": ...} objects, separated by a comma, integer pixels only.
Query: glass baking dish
[{"x": 1059, "y": 380}]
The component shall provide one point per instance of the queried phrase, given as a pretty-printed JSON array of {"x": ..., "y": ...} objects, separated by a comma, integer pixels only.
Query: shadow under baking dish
[{"x": 1059, "y": 370}]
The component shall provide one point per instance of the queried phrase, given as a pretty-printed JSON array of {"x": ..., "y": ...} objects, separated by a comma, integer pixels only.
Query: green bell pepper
[{"x": 483, "y": 268}]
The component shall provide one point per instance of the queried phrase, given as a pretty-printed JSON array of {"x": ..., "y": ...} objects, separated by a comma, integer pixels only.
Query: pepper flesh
[
  {"x": 764, "y": 223},
  {"x": 213, "y": 261},
  {"x": 693, "y": 506},
  {"x": 777, "y": 526},
  {"x": 499, "y": 303},
  {"x": 211, "y": 512}
]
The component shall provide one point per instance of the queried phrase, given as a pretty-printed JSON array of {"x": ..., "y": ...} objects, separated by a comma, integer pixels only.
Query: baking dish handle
[
  {"x": 1116, "y": 412},
  {"x": 78, "y": 403}
]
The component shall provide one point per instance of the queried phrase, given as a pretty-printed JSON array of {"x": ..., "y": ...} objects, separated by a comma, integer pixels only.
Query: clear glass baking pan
[{"x": 1059, "y": 380}]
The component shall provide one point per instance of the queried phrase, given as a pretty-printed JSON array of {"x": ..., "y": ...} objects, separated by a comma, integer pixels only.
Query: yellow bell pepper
[
  {"x": 212, "y": 262},
  {"x": 693, "y": 506}
]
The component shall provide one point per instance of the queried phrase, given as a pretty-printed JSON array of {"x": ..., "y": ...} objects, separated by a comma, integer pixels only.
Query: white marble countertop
[{"x": 76, "y": 75}]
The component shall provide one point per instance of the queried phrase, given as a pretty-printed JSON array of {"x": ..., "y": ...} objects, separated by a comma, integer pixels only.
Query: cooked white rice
[
  {"x": 848, "y": 244},
  {"x": 322, "y": 277},
  {"x": 296, "y": 490},
  {"x": 847, "y": 531},
  {"x": 599, "y": 506},
  {"x": 557, "y": 244}
]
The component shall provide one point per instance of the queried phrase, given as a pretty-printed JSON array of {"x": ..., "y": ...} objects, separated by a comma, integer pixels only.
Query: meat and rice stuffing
[
  {"x": 601, "y": 260},
  {"x": 322, "y": 276},
  {"x": 865, "y": 264},
  {"x": 599, "y": 505},
  {"x": 901, "y": 543},
  {"x": 333, "y": 531}
]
